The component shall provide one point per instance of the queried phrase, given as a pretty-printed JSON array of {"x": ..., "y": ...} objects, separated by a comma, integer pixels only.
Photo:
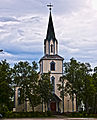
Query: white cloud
[{"x": 23, "y": 27}]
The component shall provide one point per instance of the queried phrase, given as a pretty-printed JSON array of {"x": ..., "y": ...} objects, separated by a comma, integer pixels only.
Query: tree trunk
[
  {"x": 48, "y": 106},
  {"x": 63, "y": 104},
  {"x": 42, "y": 105},
  {"x": 45, "y": 107},
  {"x": 76, "y": 103},
  {"x": 33, "y": 108},
  {"x": 72, "y": 103},
  {"x": 95, "y": 104},
  {"x": 87, "y": 110}
]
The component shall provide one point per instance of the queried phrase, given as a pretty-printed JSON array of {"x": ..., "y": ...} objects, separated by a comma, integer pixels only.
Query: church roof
[
  {"x": 56, "y": 97},
  {"x": 52, "y": 57},
  {"x": 50, "y": 31}
]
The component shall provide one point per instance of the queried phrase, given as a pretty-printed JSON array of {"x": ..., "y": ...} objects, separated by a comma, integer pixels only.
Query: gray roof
[{"x": 51, "y": 57}]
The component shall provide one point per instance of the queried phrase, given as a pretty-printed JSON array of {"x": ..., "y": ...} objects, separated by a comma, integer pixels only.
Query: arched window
[
  {"x": 53, "y": 83},
  {"x": 52, "y": 66}
]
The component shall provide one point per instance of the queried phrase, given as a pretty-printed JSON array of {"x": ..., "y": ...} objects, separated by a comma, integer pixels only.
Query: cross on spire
[{"x": 50, "y": 6}]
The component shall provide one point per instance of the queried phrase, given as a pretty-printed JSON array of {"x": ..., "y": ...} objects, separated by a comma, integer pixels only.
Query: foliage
[
  {"x": 95, "y": 94},
  {"x": 80, "y": 115},
  {"x": 80, "y": 82},
  {"x": 6, "y": 90},
  {"x": 45, "y": 88},
  {"x": 27, "y": 114}
]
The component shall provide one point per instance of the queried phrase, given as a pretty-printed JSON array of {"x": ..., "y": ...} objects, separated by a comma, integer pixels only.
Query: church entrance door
[{"x": 53, "y": 106}]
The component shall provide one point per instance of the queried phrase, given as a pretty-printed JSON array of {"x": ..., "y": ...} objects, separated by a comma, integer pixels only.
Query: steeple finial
[{"x": 50, "y": 6}]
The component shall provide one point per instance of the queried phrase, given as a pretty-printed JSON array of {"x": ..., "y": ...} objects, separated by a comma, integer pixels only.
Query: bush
[
  {"x": 80, "y": 114},
  {"x": 49, "y": 113},
  {"x": 27, "y": 114}
]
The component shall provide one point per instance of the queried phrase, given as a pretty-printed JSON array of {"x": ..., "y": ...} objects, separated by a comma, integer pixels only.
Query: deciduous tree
[
  {"x": 45, "y": 88},
  {"x": 6, "y": 91},
  {"x": 26, "y": 77}
]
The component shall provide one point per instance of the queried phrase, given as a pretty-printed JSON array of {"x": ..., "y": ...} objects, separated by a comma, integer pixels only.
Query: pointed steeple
[
  {"x": 50, "y": 43},
  {"x": 50, "y": 31}
]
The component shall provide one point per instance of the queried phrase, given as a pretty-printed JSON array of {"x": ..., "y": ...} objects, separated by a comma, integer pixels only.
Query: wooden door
[{"x": 53, "y": 106}]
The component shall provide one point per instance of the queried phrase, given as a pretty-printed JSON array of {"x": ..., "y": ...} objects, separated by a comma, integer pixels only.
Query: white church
[{"x": 52, "y": 62}]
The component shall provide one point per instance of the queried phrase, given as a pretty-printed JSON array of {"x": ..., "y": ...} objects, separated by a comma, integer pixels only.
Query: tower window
[
  {"x": 52, "y": 66},
  {"x": 53, "y": 83},
  {"x": 51, "y": 48}
]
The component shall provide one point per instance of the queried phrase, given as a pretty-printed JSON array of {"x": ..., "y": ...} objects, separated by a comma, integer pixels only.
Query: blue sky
[{"x": 23, "y": 27}]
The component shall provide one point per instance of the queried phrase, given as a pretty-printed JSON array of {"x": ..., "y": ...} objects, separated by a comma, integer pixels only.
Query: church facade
[{"x": 53, "y": 63}]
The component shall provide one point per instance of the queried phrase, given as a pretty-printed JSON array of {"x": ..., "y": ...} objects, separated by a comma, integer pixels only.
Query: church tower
[{"x": 52, "y": 62}]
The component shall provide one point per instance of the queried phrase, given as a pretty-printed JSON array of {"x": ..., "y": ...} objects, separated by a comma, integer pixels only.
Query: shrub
[{"x": 27, "y": 114}]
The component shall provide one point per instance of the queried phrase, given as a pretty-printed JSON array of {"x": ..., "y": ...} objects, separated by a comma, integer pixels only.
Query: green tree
[
  {"x": 69, "y": 81},
  {"x": 70, "y": 70},
  {"x": 26, "y": 77},
  {"x": 79, "y": 83},
  {"x": 95, "y": 84},
  {"x": 6, "y": 91},
  {"x": 87, "y": 88},
  {"x": 45, "y": 89},
  {"x": 61, "y": 88}
]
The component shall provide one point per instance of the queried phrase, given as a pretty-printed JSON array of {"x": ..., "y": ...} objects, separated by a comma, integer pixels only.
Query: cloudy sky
[{"x": 23, "y": 27}]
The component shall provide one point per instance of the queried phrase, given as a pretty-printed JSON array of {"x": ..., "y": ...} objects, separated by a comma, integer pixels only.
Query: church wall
[
  {"x": 41, "y": 67},
  {"x": 57, "y": 77},
  {"x": 47, "y": 47},
  {"x": 75, "y": 103},
  {"x": 16, "y": 96},
  {"x": 56, "y": 48},
  {"x": 67, "y": 104}
]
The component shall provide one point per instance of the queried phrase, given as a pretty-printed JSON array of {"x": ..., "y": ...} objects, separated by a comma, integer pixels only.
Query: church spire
[
  {"x": 50, "y": 43},
  {"x": 50, "y": 30}
]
